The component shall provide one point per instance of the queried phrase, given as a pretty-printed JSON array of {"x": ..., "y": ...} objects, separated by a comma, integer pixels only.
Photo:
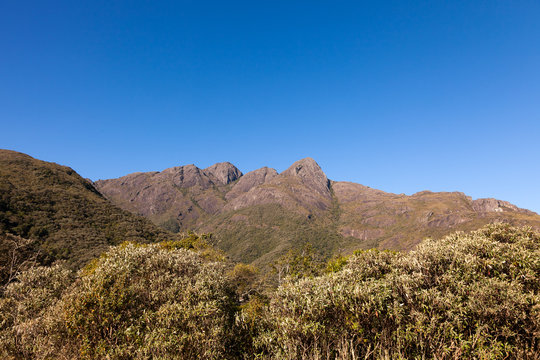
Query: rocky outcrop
[
  {"x": 302, "y": 188},
  {"x": 179, "y": 196},
  {"x": 347, "y": 192},
  {"x": 497, "y": 206},
  {"x": 223, "y": 173},
  {"x": 251, "y": 180},
  {"x": 187, "y": 176},
  {"x": 310, "y": 174}
]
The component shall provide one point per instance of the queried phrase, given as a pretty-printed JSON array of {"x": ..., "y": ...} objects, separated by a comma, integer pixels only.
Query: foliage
[
  {"x": 336, "y": 264},
  {"x": 16, "y": 254},
  {"x": 465, "y": 296},
  {"x": 473, "y": 295},
  {"x": 262, "y": 234},
  {"x": 25, "y": 309},
  {"x": 66, "y": 217},
  {"x": 136, "y": 301},
  {"x": 298, "y": 263},
  {"x": 246, "y": 280},
  {"x": 197, "y": 242}
]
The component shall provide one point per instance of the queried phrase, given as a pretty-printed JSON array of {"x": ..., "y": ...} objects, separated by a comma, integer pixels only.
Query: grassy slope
[
  {"x": 404, "y": 221},
  {"x": 63, "y": 212},
  {"x": 262, "y": 233}
]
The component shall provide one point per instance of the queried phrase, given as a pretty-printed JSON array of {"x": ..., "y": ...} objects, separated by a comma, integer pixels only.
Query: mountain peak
[
  {"x": 306, "y": 167},
  {"x": 250, "y": 180},
  {"x": 224, "y": 172},
  {"x": 310, "y": 173}
]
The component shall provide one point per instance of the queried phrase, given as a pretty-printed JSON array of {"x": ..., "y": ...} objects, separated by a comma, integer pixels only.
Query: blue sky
[{"x": 398, "y": 95}]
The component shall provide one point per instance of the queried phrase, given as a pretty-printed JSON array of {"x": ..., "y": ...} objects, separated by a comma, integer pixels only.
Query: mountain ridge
[
  {"x": 265, "y": 212},
  {"x": 255, "y": 217}
]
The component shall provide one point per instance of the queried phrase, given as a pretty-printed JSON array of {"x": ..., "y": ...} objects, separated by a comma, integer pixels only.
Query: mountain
[
  {"x": 259, "y": 216},
  {"x": 52, "y": 213},
  {"x": 176, "y": 198}
]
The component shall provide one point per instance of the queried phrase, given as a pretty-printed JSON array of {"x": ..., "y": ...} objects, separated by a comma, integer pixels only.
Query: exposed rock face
[
  {"x": 494, "y": 205},
  {"x": 185, "y": 177},
  {"x": 261, "y": 214},
  {"x": 225, "y": 172},
  {"x": 251, "y": 180},
  {"x": 310, "y": 174},
  {"x": 350, "y": 192},
  {"x": 302, "y": 188},
  {"x": 179, "y": 196}
]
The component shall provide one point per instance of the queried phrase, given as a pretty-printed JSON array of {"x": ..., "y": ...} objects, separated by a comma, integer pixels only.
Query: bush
[
  {"x": 24, "y": 311},
  {"x": 471, "y": 295},
  {"x": 140, "y": 302},
  {"x": 16, "y": 254},
  {"x": 466, "y": 296}
]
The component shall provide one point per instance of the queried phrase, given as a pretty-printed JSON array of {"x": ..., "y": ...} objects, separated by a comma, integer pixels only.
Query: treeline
[{"x": 473, "y": 295}]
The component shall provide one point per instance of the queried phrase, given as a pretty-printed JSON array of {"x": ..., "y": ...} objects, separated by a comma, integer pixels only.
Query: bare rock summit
[
  {"x": 186, "y": 176},
  {"x": 310, "y": 174},
  {"x": 224, "y": 172},
  {"x": 498, "y": 206},
  {"x": 250, "y": 180}
]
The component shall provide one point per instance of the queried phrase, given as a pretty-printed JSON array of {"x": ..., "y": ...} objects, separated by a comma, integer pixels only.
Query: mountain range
[
  {"x": 254, "y": 218},
  {"x": 258, "y": 216}
]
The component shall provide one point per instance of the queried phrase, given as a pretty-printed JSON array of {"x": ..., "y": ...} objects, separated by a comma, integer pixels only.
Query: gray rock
[
  {"x": 310, "y": 174},
  {"x": 225, "y": 172},
  {"x": 251, "y": 180}
]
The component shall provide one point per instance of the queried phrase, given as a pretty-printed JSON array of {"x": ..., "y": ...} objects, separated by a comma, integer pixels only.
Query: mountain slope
[
  {"x": 394, "y": 221},
  {"x": 176, "y": 198},
  {"x": 62, "y": 213},
  {"x": 259, "y": 216}
]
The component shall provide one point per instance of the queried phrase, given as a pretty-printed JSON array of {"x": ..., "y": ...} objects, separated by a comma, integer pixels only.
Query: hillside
[
  {"x": 259, "y": 216},
  {"x": 61, "y": 215}
]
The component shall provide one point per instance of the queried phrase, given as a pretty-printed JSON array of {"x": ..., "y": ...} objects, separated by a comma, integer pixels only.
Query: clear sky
[{"x": 401, "y": 96}]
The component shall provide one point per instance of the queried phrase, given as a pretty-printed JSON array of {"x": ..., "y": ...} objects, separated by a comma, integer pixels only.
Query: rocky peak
[
  {"x": 310, "y": 174},
  {"x": 263, "y": 173},
  {"x": 185, "y": 176},
  {"x": 250, "y": 180},
  {"x": 223, "y": 172},
  {"x": 494, "y": 205}
]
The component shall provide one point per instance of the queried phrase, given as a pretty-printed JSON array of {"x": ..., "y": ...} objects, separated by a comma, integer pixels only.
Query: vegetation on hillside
[
  {"x": 474, "y": 295},
  {"x": 471, "y": 295},
  {"x": 262, "y": 234},
  {"x": 16, "y": 254},
  {"x": 62, "y": 213}
]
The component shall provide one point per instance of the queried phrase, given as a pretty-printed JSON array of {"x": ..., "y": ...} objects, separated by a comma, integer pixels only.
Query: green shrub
[
  {"x": 151, "y": 302},
  {"x": 16, "y": 255},
  {"x": 139, "y": 302},
  {"x": 195, "y": 242},
  {"x": 24, "y": 311},
  {"x": 297, "y": 263},
  {"x": 465, "y": 296},
  {"x": 471, "y": 296},
  {"x": 336, "y": 264}
]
